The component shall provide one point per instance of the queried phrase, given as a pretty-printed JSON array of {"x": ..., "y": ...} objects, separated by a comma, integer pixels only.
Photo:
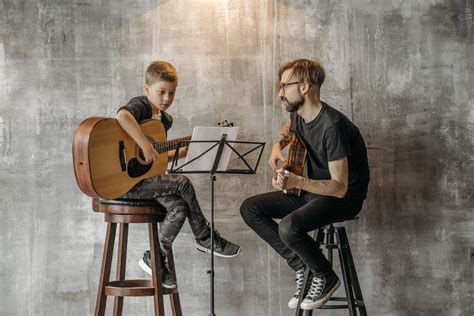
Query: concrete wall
[{"x": 401, "y": 70}]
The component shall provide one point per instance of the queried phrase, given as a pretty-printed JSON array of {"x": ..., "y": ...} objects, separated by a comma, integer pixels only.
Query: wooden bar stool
[
  {"x": 124, "y": 212},
  {"x": 331, "y": 238}
]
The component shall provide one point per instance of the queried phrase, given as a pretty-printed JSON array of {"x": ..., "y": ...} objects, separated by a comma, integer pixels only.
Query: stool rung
[
  {"x": 329, "y": 246},
  {"x": 134, "y": 288},
  {"x": 338, "y": 298},
  {"x": 334, "y": 307}
]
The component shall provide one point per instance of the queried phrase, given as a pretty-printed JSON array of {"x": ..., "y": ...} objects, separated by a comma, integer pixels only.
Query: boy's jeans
[{"x": 176, "y": 193}]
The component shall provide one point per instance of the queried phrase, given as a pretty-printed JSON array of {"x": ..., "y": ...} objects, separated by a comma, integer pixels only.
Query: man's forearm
[{"x": 323, "y": 187}]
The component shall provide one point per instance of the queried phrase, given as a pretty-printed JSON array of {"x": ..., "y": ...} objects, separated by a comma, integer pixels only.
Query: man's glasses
[{"x": 284, "y": 85}]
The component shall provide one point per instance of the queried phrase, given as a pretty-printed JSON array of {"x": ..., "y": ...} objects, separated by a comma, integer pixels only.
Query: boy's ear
[{"x": 146, "y": 88}]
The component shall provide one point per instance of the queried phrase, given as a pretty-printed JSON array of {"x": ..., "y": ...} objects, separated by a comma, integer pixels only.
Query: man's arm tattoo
[{"x": 285, "y": 139}]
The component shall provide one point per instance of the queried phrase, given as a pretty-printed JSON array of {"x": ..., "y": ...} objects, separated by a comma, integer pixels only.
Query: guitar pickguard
[{"x": 136, "y": 169}]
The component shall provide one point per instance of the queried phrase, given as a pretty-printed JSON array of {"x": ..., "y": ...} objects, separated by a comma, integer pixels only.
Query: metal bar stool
[
  {"x": 331, "y": 238},
  {"x": 124, "y": 212}
]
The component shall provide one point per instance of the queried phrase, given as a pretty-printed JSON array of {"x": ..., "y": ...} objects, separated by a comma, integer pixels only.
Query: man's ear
[
  {"x": 304, "y": 88},
  {"x": 146, "y": 88}
]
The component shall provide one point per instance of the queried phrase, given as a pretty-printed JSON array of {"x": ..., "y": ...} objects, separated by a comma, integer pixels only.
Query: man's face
[
  {"x": 161, "y": 94},
  {"x": 289, "y": 93}
]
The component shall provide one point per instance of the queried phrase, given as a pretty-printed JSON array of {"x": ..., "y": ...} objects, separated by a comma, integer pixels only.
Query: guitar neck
[{"x": 162, "y": 147}]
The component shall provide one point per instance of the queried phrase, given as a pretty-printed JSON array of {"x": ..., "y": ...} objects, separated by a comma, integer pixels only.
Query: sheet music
[{"x": 206, "y": 162}]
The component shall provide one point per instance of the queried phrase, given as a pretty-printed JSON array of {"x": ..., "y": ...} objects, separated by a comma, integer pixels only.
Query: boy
[{"x": 174, "y": 192}]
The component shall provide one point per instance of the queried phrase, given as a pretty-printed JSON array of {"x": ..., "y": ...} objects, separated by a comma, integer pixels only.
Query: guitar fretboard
[{"x": 162, "y": 147}]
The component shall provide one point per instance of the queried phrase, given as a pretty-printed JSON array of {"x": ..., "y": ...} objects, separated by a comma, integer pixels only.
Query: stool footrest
[{"x": 141, "y": 287}]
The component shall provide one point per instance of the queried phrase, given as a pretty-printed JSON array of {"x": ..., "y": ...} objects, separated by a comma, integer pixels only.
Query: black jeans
[{"x": 299, "y": 215}]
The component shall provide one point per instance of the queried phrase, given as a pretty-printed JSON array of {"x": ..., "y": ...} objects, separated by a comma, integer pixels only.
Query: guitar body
[
  {"x": 296, "y": 161},
  {"x": 107, "y": 161}
]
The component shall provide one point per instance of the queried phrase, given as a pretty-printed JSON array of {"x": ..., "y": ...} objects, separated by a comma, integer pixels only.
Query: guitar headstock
[{"x": 225, "y": 123}]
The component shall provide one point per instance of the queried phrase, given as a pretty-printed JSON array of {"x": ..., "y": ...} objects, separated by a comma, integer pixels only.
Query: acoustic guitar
[
  {"x": 108, "y": 162},
  {"x": 295, "y": 161}
]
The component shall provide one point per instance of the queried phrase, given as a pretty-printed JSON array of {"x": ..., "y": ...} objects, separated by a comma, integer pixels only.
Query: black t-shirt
[
  {"x": 141, "y": 110},
  {"x": 332, "y": 136}
]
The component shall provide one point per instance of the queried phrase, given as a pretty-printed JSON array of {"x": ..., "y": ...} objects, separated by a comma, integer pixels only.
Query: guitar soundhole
[{"x": 136, "y": 169}]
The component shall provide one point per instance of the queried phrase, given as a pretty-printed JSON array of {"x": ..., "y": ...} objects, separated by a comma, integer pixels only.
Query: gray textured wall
[{"x": 402, "y": 71}]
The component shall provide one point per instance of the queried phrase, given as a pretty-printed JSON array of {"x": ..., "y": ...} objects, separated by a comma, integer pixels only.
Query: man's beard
[{"x": 295, "y": 105}]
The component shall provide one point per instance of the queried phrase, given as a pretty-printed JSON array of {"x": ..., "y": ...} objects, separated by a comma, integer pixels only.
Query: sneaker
[
  {"x": 320, "y": 291},
  {"x": 166, "y": 278},
  {"x": 222, "y": 248},
  {"x": 299, "y": 287}
]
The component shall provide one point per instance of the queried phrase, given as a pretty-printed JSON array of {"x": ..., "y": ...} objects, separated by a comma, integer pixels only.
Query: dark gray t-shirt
[
  {"x": 141, "y": 110},
  {"x": 332, "y": 136}
]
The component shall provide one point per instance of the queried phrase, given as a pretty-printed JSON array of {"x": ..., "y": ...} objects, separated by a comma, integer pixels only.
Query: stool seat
[
  {"x": 131, "y": 202},
  {"x": 129, "y": 207}
]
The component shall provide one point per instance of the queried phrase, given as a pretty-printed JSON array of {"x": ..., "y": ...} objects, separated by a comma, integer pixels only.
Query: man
[{"x": 336, "y": 186}]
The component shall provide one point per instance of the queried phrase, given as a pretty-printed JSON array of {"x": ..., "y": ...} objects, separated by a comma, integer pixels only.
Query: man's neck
[{"x": 310, "y": 110}]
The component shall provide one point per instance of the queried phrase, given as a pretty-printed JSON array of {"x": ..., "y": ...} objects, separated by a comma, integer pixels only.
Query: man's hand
[
  {"x": 276, "y": 156},
  {"x": 286, "y": 180}
]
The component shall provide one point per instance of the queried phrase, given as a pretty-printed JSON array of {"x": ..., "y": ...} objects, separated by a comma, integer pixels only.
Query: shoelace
[
  {"x": 299, "y": 282},
  {"x": 316, "y": 288}
]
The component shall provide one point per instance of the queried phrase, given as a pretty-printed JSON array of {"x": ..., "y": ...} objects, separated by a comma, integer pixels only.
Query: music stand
[{"x": 213, "y": 171}]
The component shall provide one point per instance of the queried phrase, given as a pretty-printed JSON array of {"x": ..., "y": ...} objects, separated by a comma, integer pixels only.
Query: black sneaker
[
  {"x": 299, "y": 287},
  {"x": 320, "y": 291},
  {"x": 166, "y": 278},
  {"x": 222, "y": 248}
]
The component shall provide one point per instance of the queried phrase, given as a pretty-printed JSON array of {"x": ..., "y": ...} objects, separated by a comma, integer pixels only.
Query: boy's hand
[
  {"x": 183, "y": 152},
  {"x": 276, "y": 156},
  {"x": 150, "y": 153}
]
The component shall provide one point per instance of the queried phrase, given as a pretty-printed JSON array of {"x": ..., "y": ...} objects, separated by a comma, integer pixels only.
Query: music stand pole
[
  {"x": 213, "y": 180},
  {"x": 213, "y": 171}
]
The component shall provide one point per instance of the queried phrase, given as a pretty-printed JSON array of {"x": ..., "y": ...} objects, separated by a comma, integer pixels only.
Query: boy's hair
[
  {"x": 305, "y": 70},
  {"x": 160, "y": 70}
]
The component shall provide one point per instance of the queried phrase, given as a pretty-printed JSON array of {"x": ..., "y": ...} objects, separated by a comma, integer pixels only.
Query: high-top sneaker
[
  {"x": 166, "y": 278},
  {"x": 320, "y": 291}
]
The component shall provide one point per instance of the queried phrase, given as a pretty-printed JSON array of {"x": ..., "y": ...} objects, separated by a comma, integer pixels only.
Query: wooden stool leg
[
  {"x": 355, "y": 279},
  {"x": 174, "y": 298},
  {"x": 121, "y": 264},
  {"x": 105, "y": 269},
  {"x": 156, "y": 269},
  {"x": 342, "y": 247}
]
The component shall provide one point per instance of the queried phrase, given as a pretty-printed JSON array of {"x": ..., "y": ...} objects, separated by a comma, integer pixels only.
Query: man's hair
[
  {"x": 160, "y": 70},
  {"x": 305, "y": 70}
]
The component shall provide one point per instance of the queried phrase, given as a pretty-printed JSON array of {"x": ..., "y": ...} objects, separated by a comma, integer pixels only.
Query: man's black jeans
[{"x": 299, "y": 215}]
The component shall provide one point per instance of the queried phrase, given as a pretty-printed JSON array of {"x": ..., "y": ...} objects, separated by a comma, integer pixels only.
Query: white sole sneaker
[
  {"x": 206, "y": 250},
  {"x": 147, "y": 269},
  {"x": 307, "y": 304},
  {"x": 293, "y": 303}
]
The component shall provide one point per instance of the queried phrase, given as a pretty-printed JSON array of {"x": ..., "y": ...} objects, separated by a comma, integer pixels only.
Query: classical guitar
[{"x": 108, "y": 162}]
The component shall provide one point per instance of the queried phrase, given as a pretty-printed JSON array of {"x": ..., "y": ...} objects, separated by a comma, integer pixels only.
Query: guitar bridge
[{"x": 122, "y": 156}]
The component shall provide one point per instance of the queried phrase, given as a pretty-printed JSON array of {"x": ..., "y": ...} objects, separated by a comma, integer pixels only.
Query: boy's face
[{"x": 161, "y": 94}]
